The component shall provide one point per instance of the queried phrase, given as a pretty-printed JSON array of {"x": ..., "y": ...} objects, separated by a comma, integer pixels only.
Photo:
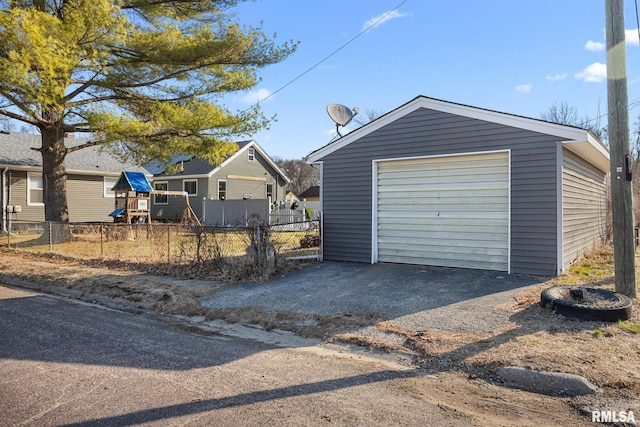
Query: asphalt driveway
[{"x": 415, "y": 297}]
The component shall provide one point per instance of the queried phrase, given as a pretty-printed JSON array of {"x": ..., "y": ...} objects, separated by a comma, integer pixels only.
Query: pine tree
[{"x": 143, "y": 78}]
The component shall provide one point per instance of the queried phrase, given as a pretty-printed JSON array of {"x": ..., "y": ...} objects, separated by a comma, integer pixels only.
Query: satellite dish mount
[{"x": 341, "y": 115}]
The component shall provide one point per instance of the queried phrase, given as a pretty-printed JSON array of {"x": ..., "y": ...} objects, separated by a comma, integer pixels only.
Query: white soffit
[{"x": 592, "y": 151}]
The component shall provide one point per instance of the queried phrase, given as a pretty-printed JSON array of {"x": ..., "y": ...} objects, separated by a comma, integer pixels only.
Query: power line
[
  {"x": 364, "y": 30},
  {"x": 636, "y": 101},
  {"x": 632, "y": 105}
]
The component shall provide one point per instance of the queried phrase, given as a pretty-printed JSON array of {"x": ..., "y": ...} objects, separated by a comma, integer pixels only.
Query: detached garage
[{"x": 443, "y": 184}]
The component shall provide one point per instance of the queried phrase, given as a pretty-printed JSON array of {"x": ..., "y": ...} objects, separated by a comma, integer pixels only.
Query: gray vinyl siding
[
  {"x": 176, "y": 204},
  {"x": 194, "y": 201},
  {"x": 347, "y": 186},
  {"x": 584, "y": 207},
  {"x": 534, "y": 199},
  {"x": 238, "y": 188},
  {"x": 208, "y": 186},
  {"x": 346, "y": 205}
]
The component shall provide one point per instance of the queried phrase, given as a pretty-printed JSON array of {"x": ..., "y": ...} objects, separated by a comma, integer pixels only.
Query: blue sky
[{"x": 517, "y": 57}]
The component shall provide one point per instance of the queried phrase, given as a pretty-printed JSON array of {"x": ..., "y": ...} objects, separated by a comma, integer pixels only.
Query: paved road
[{"x": 67, "y": 363}]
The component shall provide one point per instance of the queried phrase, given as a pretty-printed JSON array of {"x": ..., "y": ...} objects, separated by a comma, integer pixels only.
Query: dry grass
[
  {"x": 595, "y": 268},
  {"x": 159, "y": 243}
]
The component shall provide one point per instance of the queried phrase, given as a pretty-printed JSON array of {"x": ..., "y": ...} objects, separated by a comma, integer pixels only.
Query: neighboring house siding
[
  {"x": 86, "y": 200},
  {"x": 85, "y": 168},
  {"x": 242, "y": 167},
  {"x": 347, "y": 187},
  {"x": 176, "y": 204},
  {"x": 18, "y": 197},
  {"x": 584, "y": 207},
  {"x": 196, "y": 201},
  {"x": 239, "y": 188},
  {"x": 243, "y": 178}
]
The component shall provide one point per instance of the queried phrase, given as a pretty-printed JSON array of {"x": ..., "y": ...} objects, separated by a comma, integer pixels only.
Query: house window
[
  {"x": 190, "y": 186},
  {"x": 161, "y": 199},
  {"x": 252, "y": 154},
  {"x": 109, "y": 182},
  {"x": 269, "y": 191},
  {"x": 35, "y": 189},
  {"x": 222, "y": 189}
]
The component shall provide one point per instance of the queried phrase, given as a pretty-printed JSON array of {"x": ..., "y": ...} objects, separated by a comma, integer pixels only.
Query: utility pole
[{"x": 618, "y": 107}]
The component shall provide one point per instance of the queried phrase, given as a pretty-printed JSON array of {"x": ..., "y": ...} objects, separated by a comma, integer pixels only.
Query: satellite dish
[{"x": 341, "y": 115}]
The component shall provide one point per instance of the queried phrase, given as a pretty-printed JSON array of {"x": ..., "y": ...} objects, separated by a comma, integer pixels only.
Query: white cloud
[
  {"x": 256, "y": 96},
  {"x": 594, "y": 73},
  {"x": 594, "y": 46},
  {"x": 524, "y": 88},
  {"x": 382, "y": 18},
  {"x": 333, "y": 134},
  {"x": 557, "y": 77},
  {"x": 631, "y": 37}
]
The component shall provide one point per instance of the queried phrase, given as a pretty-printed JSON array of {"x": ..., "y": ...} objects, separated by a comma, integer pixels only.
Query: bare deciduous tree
[
  {"x": 301, "y": 174},
  {"x": 367, "y": 116},
  {"x": 561, "y": 113},
  {"x": 565, "y": 114}
]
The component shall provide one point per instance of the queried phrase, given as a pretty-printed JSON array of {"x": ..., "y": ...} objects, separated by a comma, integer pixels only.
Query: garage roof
[{"x": 579, "y": 140}]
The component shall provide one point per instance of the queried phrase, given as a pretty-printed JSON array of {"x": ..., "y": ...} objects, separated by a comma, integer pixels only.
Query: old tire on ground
[{"x": 602, "y": 304}]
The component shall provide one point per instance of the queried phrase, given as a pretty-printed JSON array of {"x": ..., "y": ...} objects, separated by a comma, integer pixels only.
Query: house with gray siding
[
  {"x": 247, "y": 174},
  {"x": 91, "y": 173},
  {"x": 444, "y": 184}
]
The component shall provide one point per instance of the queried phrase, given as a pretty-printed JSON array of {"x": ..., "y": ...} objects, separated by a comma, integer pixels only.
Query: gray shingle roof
[
  {"x": 191, "y": 165},
  {"x": 16, "y": 150},
  {"x": 195, "y": 166},
  {"x": 313, "y": 191}
]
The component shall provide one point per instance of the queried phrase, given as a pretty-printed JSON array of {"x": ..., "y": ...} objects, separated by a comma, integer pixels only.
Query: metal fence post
[
  {"x": 258, "y": 248},
  {"x": 168, "y": 243},
  {"x": 101, "y": 240},
  {"x": 50, "y": 238}
]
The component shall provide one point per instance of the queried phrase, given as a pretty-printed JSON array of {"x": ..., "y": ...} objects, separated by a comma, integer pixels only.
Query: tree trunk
[
  {"x": 54, "y": 175},
  {"x": 54, "y": 180}
]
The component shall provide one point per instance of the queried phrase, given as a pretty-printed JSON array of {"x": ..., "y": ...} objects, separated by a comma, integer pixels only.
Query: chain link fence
[{"x": 254, "y": 249}]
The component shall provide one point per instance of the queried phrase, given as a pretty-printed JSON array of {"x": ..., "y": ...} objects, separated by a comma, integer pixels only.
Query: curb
[
  {"x": 550, "y": 383},
  {"x": 274, "y": 337}
]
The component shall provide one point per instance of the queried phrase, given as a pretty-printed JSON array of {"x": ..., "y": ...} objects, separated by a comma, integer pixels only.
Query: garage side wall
[
  {"x": 347, "y": 183},
  {"x": 584, "y": 207}
]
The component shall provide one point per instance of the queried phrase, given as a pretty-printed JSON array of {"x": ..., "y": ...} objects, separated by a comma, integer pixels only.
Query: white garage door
[{"x": 448, "y": 211}]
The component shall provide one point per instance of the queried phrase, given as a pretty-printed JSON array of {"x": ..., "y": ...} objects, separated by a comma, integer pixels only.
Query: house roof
[
  {"x": 581, "y": 141},
  {"x": 136, "y": 181},
  {"x": 16, "y": 152},
  {"x": 313, "y": 191},
  {"x": 195, "y": 167}
]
